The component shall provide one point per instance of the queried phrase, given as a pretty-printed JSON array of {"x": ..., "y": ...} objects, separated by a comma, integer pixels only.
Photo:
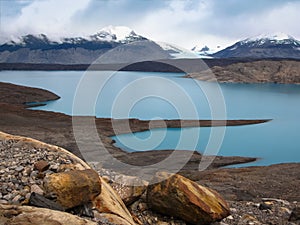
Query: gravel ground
[
  {"x": 269, "y": 211},
  {"x": 21, "y": 175}
]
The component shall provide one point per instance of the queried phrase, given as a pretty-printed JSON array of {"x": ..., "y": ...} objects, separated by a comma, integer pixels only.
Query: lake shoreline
[
  {"x": 145, "y": 66},
  {"x": 56, "y": 129},
  {"x": 14, "y": 105}
]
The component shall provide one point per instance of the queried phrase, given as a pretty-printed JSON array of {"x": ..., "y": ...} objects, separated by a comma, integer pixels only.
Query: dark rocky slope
[{"x": 261, "y": 71}]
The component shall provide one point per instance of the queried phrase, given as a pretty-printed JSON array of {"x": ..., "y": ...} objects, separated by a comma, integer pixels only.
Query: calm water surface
[{"x": 168, "y": 96}]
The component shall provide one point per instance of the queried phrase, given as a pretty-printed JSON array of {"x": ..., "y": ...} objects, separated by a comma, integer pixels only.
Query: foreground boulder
[
  {"x": 25, "y": 215},
  {"x": 110, "y": 206},
  {"x": 180, "y": 197},
  {"x": 73, "y": 188}
]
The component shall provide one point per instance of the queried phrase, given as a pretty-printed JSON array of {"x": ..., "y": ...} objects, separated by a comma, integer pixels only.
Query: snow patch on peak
[
  {"x": 120, "y": 32},
  {"x": 15, "y": 41},
  {"x": 171, "y": 47},
  {"x": 204, "y": 50},
  {"x": 30, "y": 38},
  {"x": 200, "y": 48},
  {"x": 279, "y": 36}
]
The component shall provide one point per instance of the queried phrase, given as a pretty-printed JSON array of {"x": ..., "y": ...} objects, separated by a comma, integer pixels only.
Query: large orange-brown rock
[
  {"x": 73, "y": 188},
  {"x": 180, "y": 197},
  {"x": 25, "y": 215}
]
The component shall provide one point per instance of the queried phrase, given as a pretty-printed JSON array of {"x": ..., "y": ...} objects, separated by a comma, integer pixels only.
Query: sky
[{"x": 185, "y": 23}]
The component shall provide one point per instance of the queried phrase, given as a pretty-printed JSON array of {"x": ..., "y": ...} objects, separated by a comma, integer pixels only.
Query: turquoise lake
[{"x": 169, "y": 96}]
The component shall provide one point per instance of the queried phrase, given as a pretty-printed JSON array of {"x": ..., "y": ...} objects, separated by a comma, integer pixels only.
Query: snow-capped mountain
[
  {"x": 205, "y": 51},
  {"x": 28, "y": 40},
  {"x": 276, "y": 38},
  {"x": 116, "y": 34},
  {"x": 81, "y": 50},
  {"x": 278, "y": 45},
  {"x": 119, "y": 34}
]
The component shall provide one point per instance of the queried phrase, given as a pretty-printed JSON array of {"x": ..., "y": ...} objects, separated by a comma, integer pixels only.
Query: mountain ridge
[
  {"x": 120, "y": 44},
  {"x": 83, "y": 50},
  {"x": 113, "y": 35},
  {"x": 278, "y": 45}
]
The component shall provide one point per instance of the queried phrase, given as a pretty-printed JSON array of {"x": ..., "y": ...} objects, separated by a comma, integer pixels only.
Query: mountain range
[
  {"x": 278, "y": 45},
  {"x": 112, "y": 44},
  {"x": 122, "y": 45}
]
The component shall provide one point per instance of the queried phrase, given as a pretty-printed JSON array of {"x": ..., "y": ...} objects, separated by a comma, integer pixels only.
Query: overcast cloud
[{"x": 185, "y": 23}]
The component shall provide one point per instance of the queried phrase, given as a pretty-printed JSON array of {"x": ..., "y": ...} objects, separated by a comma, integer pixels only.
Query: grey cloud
[
  {"x": 159, "y": 20},
  {"x": 117, "y": 12},
  {"x": 235, "y": 19},
  {"x": 12, "y": 8},
  {"x": 233, "y": 8}
]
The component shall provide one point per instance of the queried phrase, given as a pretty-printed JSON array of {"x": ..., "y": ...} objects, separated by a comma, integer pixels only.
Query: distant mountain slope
[
  {"x": 177, "y": 52},
  {"x": 264, "y": 46},
  {"x": 82, "y": 50}
]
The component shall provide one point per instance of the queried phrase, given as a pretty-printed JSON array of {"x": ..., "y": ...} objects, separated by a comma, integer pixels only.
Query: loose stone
[
  {"x": 7, "y": 197},
  {"x": 19, "y": 168},
  {"x": 264, "y": 206},
  {"x": 17, "y": 199},
  {"x": 41, "y": 165},
  {"x": 2, "y": 201},
  {"x": 36, "y": 189}
]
